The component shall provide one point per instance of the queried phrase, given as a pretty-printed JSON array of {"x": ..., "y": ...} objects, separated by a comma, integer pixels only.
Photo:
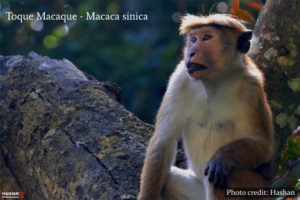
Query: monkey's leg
[
  {"x": 182, "y": 185},
  {"x": 241, "y": 178}
]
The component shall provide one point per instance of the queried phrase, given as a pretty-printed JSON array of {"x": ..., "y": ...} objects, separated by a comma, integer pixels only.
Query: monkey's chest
[{"x": 205, "y": 133}]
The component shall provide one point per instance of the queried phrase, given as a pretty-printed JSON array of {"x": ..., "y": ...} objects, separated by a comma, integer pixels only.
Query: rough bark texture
[
  {"x": 64, "y": 135},
  {"x": 276, "y": 49}
]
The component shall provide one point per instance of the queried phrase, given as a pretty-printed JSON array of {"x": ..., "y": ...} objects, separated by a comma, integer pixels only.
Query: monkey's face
[{"x": 210, "y": 52}]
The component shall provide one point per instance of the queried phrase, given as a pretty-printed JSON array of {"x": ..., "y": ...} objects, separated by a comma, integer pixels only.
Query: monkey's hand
[{"x": 218, "y": 171}]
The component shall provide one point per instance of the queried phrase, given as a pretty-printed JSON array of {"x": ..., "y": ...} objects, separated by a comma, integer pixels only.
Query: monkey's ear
[
  {"x": 243, "y": 44},
  {"x": 246, "y": 34}
]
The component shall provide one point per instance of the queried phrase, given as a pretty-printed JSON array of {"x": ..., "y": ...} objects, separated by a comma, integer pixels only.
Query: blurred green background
[{"x": 137, "y": 55}]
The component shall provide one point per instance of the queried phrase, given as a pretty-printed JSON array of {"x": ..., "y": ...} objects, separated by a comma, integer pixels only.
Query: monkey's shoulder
[{"x": 250, "y": 87}]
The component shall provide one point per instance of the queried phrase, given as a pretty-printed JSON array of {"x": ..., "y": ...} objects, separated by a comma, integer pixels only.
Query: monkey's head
[{"x": 214, "y": 44}]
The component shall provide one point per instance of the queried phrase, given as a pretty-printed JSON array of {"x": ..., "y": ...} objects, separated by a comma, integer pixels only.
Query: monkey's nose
[{"x": 192, "y": 54}]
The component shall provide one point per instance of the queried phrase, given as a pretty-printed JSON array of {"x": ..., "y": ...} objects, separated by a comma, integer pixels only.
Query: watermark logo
[
  {"x": 21, "y": 195},
  {"x": 261, "y": 192},
  {"x": 12, "y": 195}
]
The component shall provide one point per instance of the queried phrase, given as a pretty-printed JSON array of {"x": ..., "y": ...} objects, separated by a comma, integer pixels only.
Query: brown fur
[
  {"x": 221, "y": 112},
  {"x": 191, "y": 21},
  {"x": 243, "y": 179}
]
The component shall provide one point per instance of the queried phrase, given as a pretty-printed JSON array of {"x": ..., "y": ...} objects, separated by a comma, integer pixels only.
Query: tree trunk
[
  {"x": 276, "y": 50},
  {"x": 64, "y": 135}
]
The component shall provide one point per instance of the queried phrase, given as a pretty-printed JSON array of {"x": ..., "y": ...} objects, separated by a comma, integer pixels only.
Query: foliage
[
  {"x": 138, "y": 55},
  {"x": 245, "y": 14},
  {"x": 289, "y": 165}
]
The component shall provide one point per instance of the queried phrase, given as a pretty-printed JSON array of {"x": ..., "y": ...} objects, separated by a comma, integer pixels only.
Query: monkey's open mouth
[{"x": 192, "y": 67}]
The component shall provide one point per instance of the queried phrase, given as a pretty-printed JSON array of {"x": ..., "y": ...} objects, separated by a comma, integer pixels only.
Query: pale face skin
[{"x": 209, "y": 47}]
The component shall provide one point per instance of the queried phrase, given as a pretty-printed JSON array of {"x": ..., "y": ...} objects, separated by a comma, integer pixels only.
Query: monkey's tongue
[{"x": 192, "y": 67}]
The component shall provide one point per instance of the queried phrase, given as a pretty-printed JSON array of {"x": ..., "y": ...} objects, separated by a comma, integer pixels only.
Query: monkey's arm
[
  {"x": 159, "y": 158},
  {"x": 249, "y": 152},
  {"x": 157, "y": 164},
  {"x": 243, "y": 153},
  {"x": 161, "y": 150}
]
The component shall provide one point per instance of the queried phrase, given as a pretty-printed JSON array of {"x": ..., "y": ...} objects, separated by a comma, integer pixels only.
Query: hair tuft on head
[{"x": 190, "y": 21}]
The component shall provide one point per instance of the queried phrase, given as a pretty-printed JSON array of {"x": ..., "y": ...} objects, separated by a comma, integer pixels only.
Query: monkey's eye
[
  {"x": 207, "y": 37},
  {"x": 193, "y": 39}
]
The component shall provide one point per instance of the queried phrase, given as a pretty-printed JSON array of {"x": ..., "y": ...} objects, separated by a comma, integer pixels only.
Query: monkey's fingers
[
  {"x": 206, "y": 170},
  {"x": 218, "y": 177},
  {"x": 212, "y": 169},
  {"x": 221, "y": 176},
  {"x": 217, "y": 173}
]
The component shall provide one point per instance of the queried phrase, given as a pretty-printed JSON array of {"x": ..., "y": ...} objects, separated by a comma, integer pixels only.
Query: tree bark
[
  {"x": 64, "y": 135},
  {"x": 276, "y": 50}
]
